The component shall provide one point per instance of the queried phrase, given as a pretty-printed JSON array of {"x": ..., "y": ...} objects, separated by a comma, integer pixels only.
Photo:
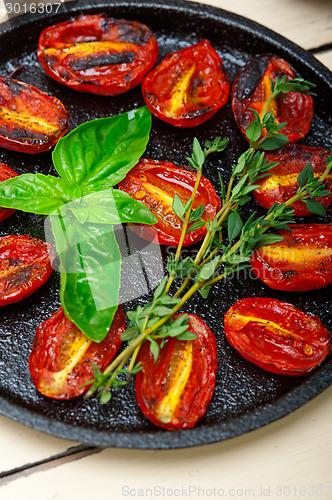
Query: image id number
[{"x": 32, "y": 8}]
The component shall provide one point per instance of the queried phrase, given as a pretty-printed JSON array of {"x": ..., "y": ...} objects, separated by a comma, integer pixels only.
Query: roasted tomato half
[
  {"x": 25, "y": 265},
  {"x": 174, "y": 392},
  {"x": 155, "y": 183},
  {"x": 301, "y": 261},
  {"x": 31, "y": 121},
  {"x": 98, "y": 54},
  {"x": 62, "y": 357},
  {"x": 6, "y": 173},
  {"x": 282, "y": 183},
  {"x": 252, "y": 88},
  {"x": 187, "y": 87},
  {"x": 277, "y": 336}
]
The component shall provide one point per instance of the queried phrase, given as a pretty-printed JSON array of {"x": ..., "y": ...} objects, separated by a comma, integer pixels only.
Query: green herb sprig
[{"x": 216, "y": 259}]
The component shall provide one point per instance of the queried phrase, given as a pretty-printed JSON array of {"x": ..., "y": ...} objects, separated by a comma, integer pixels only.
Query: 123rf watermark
[{"x": 194, "y": 491}]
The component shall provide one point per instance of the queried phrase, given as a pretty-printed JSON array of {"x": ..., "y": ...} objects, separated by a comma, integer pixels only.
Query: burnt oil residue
[{"x": 244, "y": 393}]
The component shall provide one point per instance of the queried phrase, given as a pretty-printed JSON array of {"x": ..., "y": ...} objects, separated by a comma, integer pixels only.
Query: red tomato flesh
[
  {"x": 25, "y": 265},
  {"x": 277, "y": 336},
  {"x": 187, "y": 87},
  {"x": 98, "y": 54},
  {"x": 301, "y": 261},
  {"x": 282, "y": 183},
  {"x": 252, "y": 89},
  {"x": 154, "y": 183},
  {"x": 62, "y": 357},
  {"x": 6, "y": 173},
  {"x": 174, "y": 392},
  {"x": 31, "y": 121}
]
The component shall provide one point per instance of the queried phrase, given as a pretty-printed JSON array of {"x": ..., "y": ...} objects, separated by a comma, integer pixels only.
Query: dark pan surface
[{"x": 246, "y": 397}]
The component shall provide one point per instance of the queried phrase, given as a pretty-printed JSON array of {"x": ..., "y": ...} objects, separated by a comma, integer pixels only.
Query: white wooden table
[{"x": 290, "y": 458}]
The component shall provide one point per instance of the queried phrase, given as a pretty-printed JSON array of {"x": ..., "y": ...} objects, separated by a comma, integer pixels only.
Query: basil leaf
[
  {"x": 131, "y": 210},
  {"x": 35, "y": 193},
  {"x": 98, "y": 154},
  {"x": 90, "y": 273},
  {"x": 111, "y": 206}
]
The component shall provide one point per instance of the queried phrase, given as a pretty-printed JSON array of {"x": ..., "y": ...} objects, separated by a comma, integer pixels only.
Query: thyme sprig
[{"x": 228, "y": 244}]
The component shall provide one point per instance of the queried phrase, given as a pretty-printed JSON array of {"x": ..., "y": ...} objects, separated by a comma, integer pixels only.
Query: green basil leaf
[
  {"x": 111, "y": 206},
  {"x": 98, "y": 154},
  {"x": 90, "y": 273},
  {"x": 35, "y": 193}
]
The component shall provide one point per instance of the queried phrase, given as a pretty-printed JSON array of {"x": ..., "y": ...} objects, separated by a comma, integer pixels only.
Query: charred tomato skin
[
  {"x": 154, "y": 183},
  {"x": 276, "y": 336},
  {"x": 31, "y": 121},
  {"x": 25, "y": 265},
  {"x": 301, "y": 261},
  {"x": 97, "y": 54},
  {"x": 6, "y": 173},
  {"x": 187, "y": 87},
  {"x": 61, "y": 360},
  {"x": 195, "y": 372},
  {"x": 282, "y": 184},
  {"x": 252, "y": 87}
]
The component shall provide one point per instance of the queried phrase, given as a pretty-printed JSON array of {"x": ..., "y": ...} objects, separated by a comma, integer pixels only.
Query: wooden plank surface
[
  {"x": 290, "y": 458},
  {"x": 307, "y": 23}
]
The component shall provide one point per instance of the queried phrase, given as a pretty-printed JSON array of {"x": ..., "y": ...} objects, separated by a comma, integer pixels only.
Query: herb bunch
[{"x": 228, "y": 244}]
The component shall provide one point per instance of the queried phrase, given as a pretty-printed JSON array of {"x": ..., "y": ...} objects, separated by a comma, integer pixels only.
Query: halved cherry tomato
[
  {"x": 252, "y": 88},
  {"x": 301, "y": 261},
  {"x": 31, "y": 121},
  {"x": 154, "y": 183},
  {"x": 282, "y": 184},
  {"x": 187, "y": 87},
  {"x": 277, "y": 336},
  {"x": 25, "y": 265},
  {"x": 62, "y": 357},
  {"x": 6, "y": 173},
  {"x": 98, "y": 54},
  {"x": 174, "y": 392}
]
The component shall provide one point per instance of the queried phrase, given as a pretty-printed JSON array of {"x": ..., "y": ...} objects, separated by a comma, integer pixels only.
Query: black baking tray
[{"x": 246, "y": 397}]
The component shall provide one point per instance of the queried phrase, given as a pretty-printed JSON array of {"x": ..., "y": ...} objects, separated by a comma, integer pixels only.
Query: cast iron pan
[{"x": 246, "y": 397}]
